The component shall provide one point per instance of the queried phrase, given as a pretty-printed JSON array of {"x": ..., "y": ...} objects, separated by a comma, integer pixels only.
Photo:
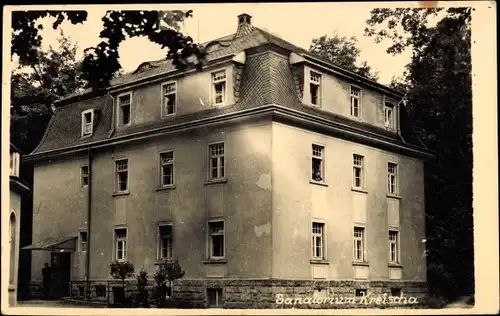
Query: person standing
[{"x": 47, "y": 278}]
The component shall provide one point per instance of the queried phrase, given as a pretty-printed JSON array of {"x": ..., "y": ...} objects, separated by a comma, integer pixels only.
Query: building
[
  {"x": 270, "y": 168},
  {"x": 17, "y": 190}
]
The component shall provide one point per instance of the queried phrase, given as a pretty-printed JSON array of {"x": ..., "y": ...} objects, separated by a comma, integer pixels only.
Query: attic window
[
  {"x": 315, "y": 88},
  {"x": 389, "y": 115},
  {"x": 219, "y": 87},
  {"x": 87, "y": 122},
  {"x": 169, "y": 98},
  {"x": 124, "y": 102}
]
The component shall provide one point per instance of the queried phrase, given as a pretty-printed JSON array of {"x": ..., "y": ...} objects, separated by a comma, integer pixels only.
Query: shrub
[
  {"x": 166, "y": 273},
  {"x": 142, "y": 294},
  {"x": 121, "y": 271}
]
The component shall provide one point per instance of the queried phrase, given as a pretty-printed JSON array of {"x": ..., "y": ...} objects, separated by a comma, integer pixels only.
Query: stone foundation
[
  {"x": 281, "y": 293},
  {"x": 301, "y": 293}
]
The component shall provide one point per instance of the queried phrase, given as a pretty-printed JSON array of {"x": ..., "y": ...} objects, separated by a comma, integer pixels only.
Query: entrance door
[{"x": 61, "y": 274}]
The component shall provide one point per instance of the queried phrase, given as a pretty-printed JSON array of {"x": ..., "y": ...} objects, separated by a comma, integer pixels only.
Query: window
[
  {"x": 359, "y": 233},
  {"x": 87, "y": 122},
  {"x": 167, "y": 168},
  {"x": 124, "y": 102},
  {"x": 355, "y": 101},
  {"x": 216, "y": 161},
  {"x": 318, "y": 246},
  {"x": 166, "y": 242},
  {"x": 169, "y": 98},
  {"x": 214, "y": 297},
  {"x": 216, "y": 241},
  {"x": 315, "y": 88},
  {"x": 85, "y": 176},
  {"x": 317, "y": 163},
  {"x": 219, "y": 87},
  {"x": 395, "y": 292},
  {"x": 358, "y": 161},
  {"x": 360, "y": 292},
  {"x": 389, "y": 115},
  {"x": 393, "y": 246},
  {"x": 122, "y": 175},
  {"x": 83, "y": 241},
  {"x": 121, "y": 244},
  {"x": 392, "y": 178}
]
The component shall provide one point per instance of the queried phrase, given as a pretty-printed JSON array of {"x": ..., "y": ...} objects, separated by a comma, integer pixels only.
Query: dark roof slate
[{"x": 266, "y": 79}]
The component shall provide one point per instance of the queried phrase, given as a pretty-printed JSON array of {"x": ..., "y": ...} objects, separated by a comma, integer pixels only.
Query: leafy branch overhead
[
  {"x": 343, "y": 52},
  {"x": 101, "y": 62}
]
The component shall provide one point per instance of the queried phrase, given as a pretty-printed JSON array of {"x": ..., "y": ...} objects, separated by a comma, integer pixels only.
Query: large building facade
[{"x": 269, "y": 169}]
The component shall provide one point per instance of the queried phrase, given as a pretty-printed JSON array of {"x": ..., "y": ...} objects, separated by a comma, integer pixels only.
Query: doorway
[{"x": 61, "y": 274}]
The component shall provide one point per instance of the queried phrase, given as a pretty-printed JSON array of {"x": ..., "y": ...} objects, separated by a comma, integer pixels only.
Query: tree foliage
[
  {"x": 101, "y": 62},
  {"x": 343, "y": 52},
  {"x": 439, "y": 107},
  {"x": 36, "y": 86}
]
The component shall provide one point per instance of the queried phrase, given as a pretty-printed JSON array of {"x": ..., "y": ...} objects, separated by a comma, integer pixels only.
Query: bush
[
  {"x": 121, "y": 271},
  {"x": 141, "y": 298},
  {"x": 166, "y": 273}
]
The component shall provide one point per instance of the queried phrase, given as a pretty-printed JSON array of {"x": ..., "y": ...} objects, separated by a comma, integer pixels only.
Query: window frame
[
  {"x": 213, "y": 82},
  {"x": 323, "y": 235},
  {"x": 392, "y": 123},
  {"x": 160, "y": 241},
  {"x": 358, "y": 97},
  {"x": 318, "y": 84},
  {"x": 80, "y": 248},
  {"x": 117, "y": 177},
  {"x": 85, "y": 124},
  {"x": 363, "y": 243},
  {"x": 322, "y": 162},
  {"x": 396, "y": 244},
  {"x": 396, "y": 178},
  {"x": 210, "y": 244},
  {"x": 362, "y": 171},
  {"x": 115, "y": 243},
  {"x": 161, "y": 165},
  {"x": 218, "y": 297},
  {"x": 84, "y": 175},
  {"x": 221, "y": 171},
  {"x": 119, "y": 109},
  {"x": 163, "y": 94}
]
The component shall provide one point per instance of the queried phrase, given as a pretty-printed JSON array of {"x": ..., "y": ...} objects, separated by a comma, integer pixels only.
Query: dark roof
[{"x": 267, "y": 79}]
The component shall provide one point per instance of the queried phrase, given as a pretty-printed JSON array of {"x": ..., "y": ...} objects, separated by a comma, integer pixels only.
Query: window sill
[
  {"x": 395, "y": 265},
  {"x": 320, "y": 261},
  {"x": 122, "y": 193},
  {"x": 82, "y": 137},
  {"x": 214, "y": 181},
  {"x": 360, "y": 263},
  {"x": 163, "y": 261},
  {"x": 166, "y": 187},
  {"x": 214, "y": 261},
  {"x": 393, "y": 196},
  {"x": 318, "y": 183},
  {"x": 360, "y": 190}
]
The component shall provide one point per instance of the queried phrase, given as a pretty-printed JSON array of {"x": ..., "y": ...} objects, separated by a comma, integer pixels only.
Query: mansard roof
[{"x": 267, "y": 79}]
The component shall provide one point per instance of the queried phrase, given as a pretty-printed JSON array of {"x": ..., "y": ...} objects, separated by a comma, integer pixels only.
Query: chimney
[{"x": 244, "y": 24}]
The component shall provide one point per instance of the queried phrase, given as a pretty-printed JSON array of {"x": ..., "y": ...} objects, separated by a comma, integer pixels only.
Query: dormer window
[
  {"x": 389, "y": 115},
  {"x": 315, "y": 88},
  {"x": 355, "y": 101},
  {"x": 124, "y": 103},
  {"x": 169, "y": 98},
  {"x": 219, "y": 87},
  {"x": 87, "y": 122}
]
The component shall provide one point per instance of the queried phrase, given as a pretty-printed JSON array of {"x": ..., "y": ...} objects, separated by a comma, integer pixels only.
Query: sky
[{"x": 297, "y": 23}]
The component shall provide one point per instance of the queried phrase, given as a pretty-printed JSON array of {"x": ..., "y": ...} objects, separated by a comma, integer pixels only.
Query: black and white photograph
[{"x": 250, "y": 158}]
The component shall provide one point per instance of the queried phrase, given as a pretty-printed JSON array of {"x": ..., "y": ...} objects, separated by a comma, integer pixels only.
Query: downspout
[
  {"x": 398, "y": 111},
  {"x": 89, "y": 217}
]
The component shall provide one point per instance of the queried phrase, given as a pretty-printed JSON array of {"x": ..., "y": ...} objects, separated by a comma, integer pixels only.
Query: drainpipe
[{"x": 89, "y": 208}]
